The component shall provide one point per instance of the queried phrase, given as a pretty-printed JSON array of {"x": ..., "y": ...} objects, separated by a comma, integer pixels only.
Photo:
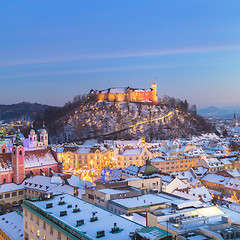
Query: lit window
[
  {"x": 32, "y": 229},
  {"x": 38, "y": 233}
]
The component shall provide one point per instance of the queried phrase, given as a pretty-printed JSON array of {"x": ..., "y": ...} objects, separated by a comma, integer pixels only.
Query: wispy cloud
[
  {"x": 79, "y": 71},
  {"x": 119, "y": 55}
]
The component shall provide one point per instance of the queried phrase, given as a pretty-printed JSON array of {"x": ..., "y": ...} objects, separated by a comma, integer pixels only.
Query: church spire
[{"x": 235, "y": 120}]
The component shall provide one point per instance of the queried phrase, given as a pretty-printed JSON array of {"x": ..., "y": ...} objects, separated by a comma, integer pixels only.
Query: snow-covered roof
[
  {"x": 213, "y": 162},
  {"x": 39, "y": 183},
  {"x": 38, "y": 158},
  {"x": 234, "y": 172},
  {"x": 83, "y": 150},
  {"x": 132, "y": 151},
  {"x": 76, "y": 181},
  {"x": 105, "y": 221},
  {"x": 201, "y": 192},
  {"x": 12, "y": 225},
  {"x": 199, "y": 171},
  {"x": 8, "y": 187},
  {"x": 112, "y": 191},
  {"x": 125, "y": 143},
  {"x": 144, "y": 200},
  {"x": 215, "y": 178}
]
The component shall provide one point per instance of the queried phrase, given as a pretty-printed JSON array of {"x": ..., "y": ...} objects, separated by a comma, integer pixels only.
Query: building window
[
  {"x": 38, "y": 233},
  {"x": 26, "y": 224},
  {"x": 20, "y": 152},
  {"x": 59, "y": 236},
  {"x": 14, "y": 194},
  {"x": 91, "y": 196},
  {"x": 20, "y": 193},
  {"x": 51, "y": 230},
  {"x": 32, "y": 229},
  {"x": 1, "y": 196},
  {"x": 7, "y": 195},
  {"x": 44, "y": 237},
  {"x": 44, "y": 225},
  {"x": 4, "y": 180},
  {"x": 31, "y": 216},
  {"x": 37, "y": 221}
]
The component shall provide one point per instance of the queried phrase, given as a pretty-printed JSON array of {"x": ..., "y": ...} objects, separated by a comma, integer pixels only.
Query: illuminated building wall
[
  {"x": 92, "y": 160},
  {"x": 177, "y": 164},
  {"x": 129, "y": 95},
  {"x": 132, "y": 156}
]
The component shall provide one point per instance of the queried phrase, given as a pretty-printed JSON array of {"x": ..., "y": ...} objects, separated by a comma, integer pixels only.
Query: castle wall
[{"x": 130, "y": 96}]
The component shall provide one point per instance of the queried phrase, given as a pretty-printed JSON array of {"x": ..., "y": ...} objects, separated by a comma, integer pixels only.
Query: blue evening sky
[{"x": 52, "y": 50}]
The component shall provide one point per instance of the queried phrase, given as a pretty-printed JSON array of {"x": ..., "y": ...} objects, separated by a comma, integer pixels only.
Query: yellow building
[
  {"x": 80, "y": 157},
  {"x": 132, "y": 156},
  {"x": 175, "y": 163}
]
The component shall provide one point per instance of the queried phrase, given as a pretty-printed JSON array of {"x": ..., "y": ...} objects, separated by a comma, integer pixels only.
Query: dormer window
[
  {"x": 3, "y": 150},
  {"x": 14, "y": 152}
]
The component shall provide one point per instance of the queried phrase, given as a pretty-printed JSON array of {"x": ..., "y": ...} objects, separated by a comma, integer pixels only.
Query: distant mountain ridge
[
  {"x": 23, "y": 110},
  {"x": 220, "y": 112}
]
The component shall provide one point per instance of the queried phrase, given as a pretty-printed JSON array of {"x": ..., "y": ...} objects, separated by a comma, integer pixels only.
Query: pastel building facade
[{"x": 17, "y": 164}]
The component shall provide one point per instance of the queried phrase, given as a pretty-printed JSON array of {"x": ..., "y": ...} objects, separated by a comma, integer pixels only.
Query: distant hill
[
  {"x": 220, "y": 112},
  {"x": 21, "y": 111}
]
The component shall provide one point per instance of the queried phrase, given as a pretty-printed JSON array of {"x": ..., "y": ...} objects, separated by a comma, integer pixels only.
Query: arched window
[
  {"x": 3, "y": 150},
  {"x": 20, "y": 152},
  {"x": 14, "y": 152},
  {"x": 30, "y": 138}
]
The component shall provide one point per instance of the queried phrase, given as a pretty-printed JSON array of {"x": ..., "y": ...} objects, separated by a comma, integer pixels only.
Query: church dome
[
  {"x": 2, "y": 140},
  {"x": 148, "y": 169},
  {"x": 32, "y": 131}
]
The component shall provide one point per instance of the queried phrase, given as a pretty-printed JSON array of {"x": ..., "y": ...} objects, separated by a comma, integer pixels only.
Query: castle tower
[
  {"x": 235, "y": 120},
  {"x": 17, "y": 160},
  {"x": 154, "y": 96},
  {"x": 3, "y": 145},
  {"x": 44, "y": 136},
  {"x": 32, "y": 138},
  {"x": 154, "y": 87}
]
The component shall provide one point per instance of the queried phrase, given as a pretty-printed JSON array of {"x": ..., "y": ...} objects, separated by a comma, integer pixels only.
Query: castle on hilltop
[{"x": 127, "y": 94}]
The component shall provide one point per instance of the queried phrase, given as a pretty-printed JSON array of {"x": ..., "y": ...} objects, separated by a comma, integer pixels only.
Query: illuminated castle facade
[{"x": 127, "y": 94}]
